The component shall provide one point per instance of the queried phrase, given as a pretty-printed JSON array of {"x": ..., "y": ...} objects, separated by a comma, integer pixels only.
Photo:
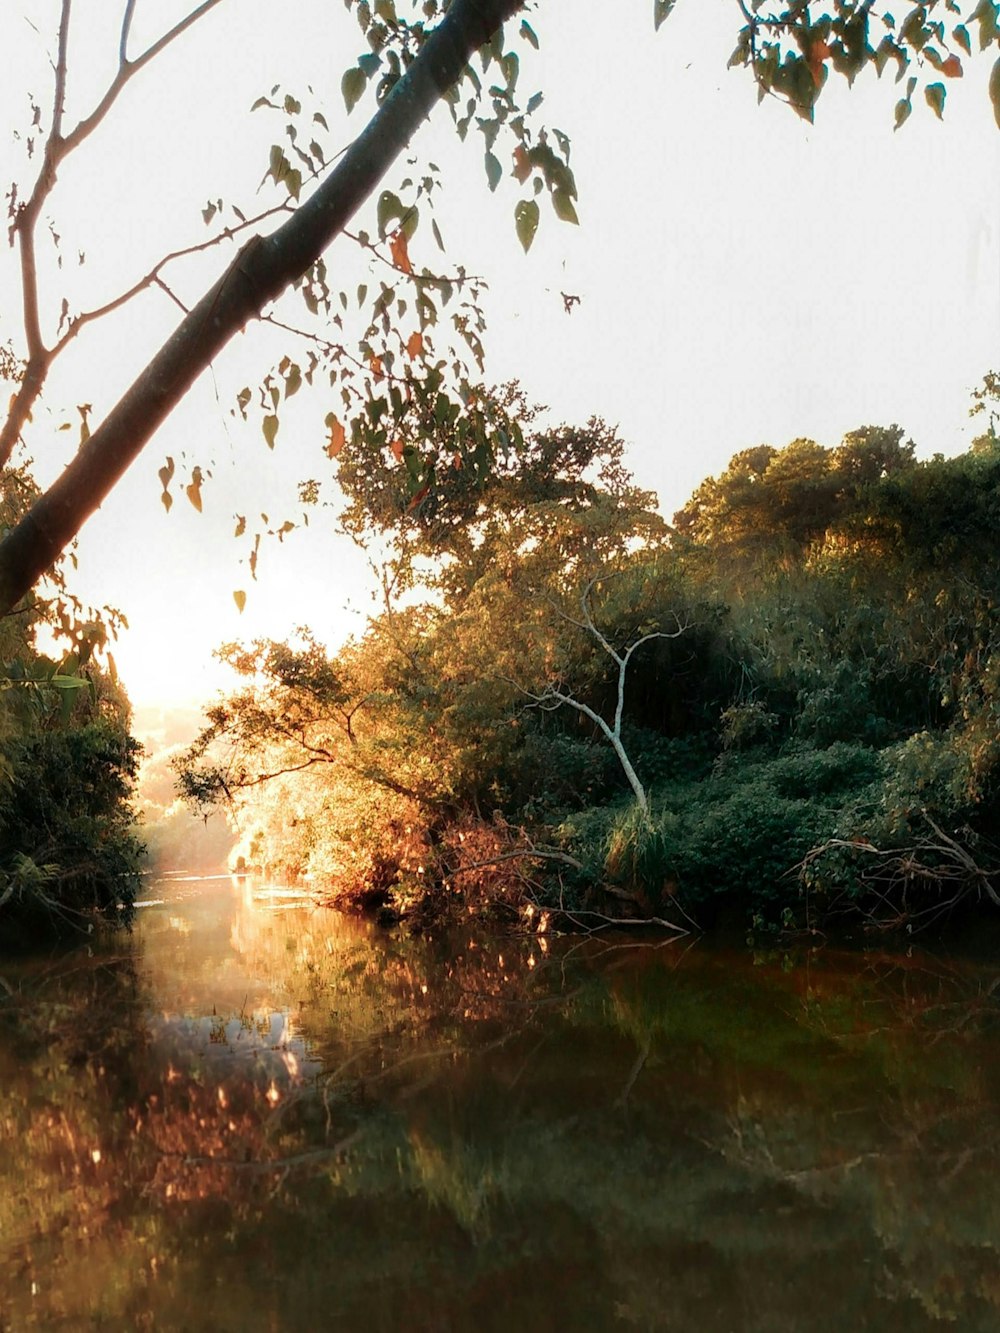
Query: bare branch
[
  {"x": 127, "y": 69},
  {"x": 123, "y": 40},
  {"x": 57, "y": 148},
  {"x": 59, "y": 98},
  {"x": 153, "y": 278}
]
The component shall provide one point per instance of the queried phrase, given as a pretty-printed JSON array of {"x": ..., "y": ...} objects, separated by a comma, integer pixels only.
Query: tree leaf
[
  {"x": 661, "y": 12},
  {"x": 935, "y": 94},
  {"x": 995, "y": 91},
  {"x": 526, "y": 222},
  {"x": 270, "y": 428},
  {"x": 564, "y": 206},
  {"x": 352, "y": 86},
  {"x": 522, "y": 163},
  {"x": 389, "y": 210},
  {"x": 415, "y": 345},
  {"x": 240, "y": 598},
  {"x": 166, "y": 472},
  {"x": 493, "y": 171},
  {"x": 398, "y": 250},
  {"x": 529, "y": 34},
  {"x": 193, "y": 491},
  {"x": 338, "y": 436},
  {"x": 903, "y": 108}
]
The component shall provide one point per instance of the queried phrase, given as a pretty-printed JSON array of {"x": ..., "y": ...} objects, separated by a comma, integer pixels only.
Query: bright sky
[{"x": 744, "y": 278}]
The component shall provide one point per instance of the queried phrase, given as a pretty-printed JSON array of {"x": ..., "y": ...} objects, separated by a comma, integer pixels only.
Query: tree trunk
[{"x": 260, "y": 272}]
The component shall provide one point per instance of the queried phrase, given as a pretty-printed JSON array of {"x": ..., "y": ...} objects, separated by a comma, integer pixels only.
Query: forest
[
  {"x": 778, "y": 710},
  {"x": 775, "y": 709}
]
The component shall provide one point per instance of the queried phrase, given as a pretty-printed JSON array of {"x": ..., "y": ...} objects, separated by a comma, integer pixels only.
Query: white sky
[{"x": 744, "y": 277}]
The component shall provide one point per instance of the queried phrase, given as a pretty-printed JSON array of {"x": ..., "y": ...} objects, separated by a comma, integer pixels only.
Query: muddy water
[{"x": 254, "y": 1115}]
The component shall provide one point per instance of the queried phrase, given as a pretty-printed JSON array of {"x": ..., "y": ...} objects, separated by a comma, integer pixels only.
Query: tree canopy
[{"x": 409, "y": 381}]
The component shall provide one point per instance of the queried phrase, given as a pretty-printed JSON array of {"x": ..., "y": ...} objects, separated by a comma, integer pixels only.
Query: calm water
[{"x": 257, "y": 1116}]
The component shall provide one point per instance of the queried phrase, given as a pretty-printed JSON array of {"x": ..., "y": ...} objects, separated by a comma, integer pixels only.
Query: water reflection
[{"x": 260, "y": 1116}]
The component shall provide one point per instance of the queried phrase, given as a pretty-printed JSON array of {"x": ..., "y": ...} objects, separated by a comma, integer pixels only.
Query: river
[{"x": 254, "y": 1115}]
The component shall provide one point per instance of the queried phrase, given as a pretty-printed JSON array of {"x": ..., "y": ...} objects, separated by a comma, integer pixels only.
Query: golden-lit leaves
[
  {"x": 398, "y": 250},
  {"x": 165, "y": 474},
  {"x": 193, "y": 490},
  {"x": 415, "y": 345},
  {"x": 240, "y": 598},
  {"x": 338, "y": 436}
]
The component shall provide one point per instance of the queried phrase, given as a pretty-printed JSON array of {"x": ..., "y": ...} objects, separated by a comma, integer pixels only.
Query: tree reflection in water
[{"x": 256, "y": 1116}]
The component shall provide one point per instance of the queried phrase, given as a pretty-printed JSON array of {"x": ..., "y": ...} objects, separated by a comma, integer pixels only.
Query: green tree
[{"x": 411, "y": 61}]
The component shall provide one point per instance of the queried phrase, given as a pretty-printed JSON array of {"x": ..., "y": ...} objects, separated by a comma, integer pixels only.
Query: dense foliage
[
  {"x": 68, "y": 851},
  {"x": 784, "y": 704}
]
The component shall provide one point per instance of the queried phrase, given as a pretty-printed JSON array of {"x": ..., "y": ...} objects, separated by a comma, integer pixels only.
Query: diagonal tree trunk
[{"x": 260, "y": 272}]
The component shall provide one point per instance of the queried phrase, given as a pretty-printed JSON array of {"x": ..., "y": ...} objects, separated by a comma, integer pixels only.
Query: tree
[{"x": 410, "y": 65}]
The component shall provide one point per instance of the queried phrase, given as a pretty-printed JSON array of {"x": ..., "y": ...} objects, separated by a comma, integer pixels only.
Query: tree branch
[
  {"x": 57, "y": 148},
  {"x": 260, "y": 272}
]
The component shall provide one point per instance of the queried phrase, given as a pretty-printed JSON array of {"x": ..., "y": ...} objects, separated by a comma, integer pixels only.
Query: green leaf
[
  {"x": 389, "y": 210},
  {"x": 352, "y": 86},
  {"x": 270, "y": 428},
  {"x": 278, "y": 164},
  {"x": 661, "y": 12},
  {"x": 562, "y": 202},
  {"x": 995, "y": 91},
  {"x": 293, "y": 382},
  {"x": 526, "y": 222},
  {"x": 534, "y": 102},
  {"x": 903, "y": 108},
  {"x": 240, "y": 598},
  {"x": 935, "y": 93},
  {"x": 529, "y": 34},
  {"x": 961, "y": 36},
  {"x": 493, "y": 170},
  {"x": 986, "y": 13}
]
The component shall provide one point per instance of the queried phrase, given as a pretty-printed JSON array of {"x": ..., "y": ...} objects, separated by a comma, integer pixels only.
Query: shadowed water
[{"x": 253, "y": 1115}]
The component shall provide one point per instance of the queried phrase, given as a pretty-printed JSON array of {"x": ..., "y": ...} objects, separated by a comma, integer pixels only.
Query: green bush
[{"x": 67, "y": 846}]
